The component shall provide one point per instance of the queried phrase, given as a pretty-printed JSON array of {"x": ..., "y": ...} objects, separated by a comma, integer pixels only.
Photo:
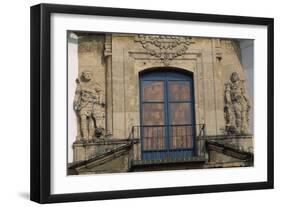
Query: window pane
[
  {"x": 154, "y": 138},
  {"x": 153, "y": 114},
  {"x": 179, "y": 91},
  {"x": 180, "y": 113},
  {"x": 181, "y": 137},
  {"x": 153, "y": 134},
  {"x": 153, "y": 90}
]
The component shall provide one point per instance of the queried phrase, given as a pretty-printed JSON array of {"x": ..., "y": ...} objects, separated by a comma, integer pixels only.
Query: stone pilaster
[{"x": 109, "y": 101}]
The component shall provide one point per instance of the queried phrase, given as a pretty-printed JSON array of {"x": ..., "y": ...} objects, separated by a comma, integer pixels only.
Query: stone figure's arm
[
  {"x": 243, "y": 89},
  {"x": 227, "y": 94},
  {"x": 100, "y": 93},
  {"x": 227, "y": 97},
  {"x": 102, "y": 101}
]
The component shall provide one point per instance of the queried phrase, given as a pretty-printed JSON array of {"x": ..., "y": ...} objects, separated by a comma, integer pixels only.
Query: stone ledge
[
  {"x": 111, "y": 141},
  {"x": 226, "y": 137},
  {"x": 167, "y": 164},
  {"x": 168, "y": 161}
]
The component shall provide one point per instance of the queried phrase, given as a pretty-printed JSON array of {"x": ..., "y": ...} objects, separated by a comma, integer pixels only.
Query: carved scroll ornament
[{"x": 165, "y": 47}]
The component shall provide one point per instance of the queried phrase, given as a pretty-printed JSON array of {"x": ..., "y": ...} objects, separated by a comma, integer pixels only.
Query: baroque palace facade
[{"x": 157, "y": 102}]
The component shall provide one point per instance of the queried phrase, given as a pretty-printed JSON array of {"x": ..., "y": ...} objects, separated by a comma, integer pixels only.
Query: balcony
[
  {"x": 186, "y": 147},
  {"x": 165, "y": 147}
]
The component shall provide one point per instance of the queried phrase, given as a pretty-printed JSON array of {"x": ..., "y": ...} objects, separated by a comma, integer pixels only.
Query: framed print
[{"x": 132, "y": 103}]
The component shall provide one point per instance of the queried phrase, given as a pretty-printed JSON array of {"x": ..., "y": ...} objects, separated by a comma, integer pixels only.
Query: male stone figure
[
  {"x": 88, "y": 104},
  {"x": 237, "y": 106}
]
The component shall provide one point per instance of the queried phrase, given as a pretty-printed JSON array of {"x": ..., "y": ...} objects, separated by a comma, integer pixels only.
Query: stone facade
[{"x": 107, "y": 100}]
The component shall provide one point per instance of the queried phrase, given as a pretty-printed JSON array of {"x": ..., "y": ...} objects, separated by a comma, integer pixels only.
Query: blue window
[{"x": 167, "y": 114}]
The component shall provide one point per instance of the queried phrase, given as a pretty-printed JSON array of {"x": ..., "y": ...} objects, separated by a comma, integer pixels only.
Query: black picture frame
[{"x": 41, "y": 102}]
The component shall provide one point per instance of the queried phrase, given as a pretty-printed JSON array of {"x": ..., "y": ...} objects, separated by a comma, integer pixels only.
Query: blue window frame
[{"x": 167, "y": 114}]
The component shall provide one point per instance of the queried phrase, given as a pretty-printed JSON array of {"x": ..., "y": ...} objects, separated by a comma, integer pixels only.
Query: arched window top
[{"x": 167, "y": 73}]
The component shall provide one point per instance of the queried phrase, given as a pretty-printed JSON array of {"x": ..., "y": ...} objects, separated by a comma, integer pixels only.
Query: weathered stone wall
[{"x": 90, "y": 55}]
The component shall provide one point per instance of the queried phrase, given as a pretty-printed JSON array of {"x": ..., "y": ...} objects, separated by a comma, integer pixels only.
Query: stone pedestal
[
  {"x": 86, "y": 150},
  {"x": 232, "y": 151}
]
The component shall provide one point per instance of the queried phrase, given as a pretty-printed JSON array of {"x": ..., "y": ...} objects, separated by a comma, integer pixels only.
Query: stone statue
[
  {"x": 237, "y": 106},
  {"x": 89, "y": 107}
]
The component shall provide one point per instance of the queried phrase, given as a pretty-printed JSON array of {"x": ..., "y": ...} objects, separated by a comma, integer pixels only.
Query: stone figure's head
[
  {"x": 86, "y": 76},
  {"x": 234, "y": 77}
]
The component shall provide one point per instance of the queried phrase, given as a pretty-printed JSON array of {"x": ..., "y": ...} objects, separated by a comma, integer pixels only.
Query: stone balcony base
[{"x": 85, "y": 150}]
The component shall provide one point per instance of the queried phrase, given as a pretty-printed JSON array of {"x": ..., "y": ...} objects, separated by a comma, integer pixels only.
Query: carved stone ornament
[
  {"x": 237, "y": 106},
  {"x": 165, "y": 47},
  {"x": 89, "y": 106}
]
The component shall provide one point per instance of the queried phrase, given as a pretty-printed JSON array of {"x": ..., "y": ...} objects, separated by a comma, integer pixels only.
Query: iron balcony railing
[
  {"x": 169, "y": 137},
  {"x": 181, "y": 137}
]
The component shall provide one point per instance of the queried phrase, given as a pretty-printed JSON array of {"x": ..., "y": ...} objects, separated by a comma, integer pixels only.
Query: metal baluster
[
  {"x": 177, "y": 136},
  {"x": 163, "y": 135},
  {"x": 186, "y": 137}
]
